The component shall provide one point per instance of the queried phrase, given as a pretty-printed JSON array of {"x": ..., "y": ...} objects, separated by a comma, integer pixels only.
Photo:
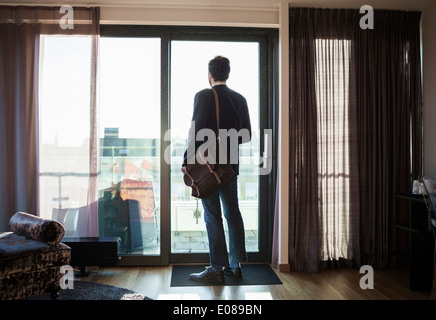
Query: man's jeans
[{"x": 215, "y": 229}]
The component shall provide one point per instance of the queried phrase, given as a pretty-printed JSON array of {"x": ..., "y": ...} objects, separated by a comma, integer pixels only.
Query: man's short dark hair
[{"x": 219, "y": 67}]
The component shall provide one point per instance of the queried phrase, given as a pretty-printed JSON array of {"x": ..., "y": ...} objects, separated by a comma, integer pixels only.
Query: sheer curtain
[
  {"x": 22, "y": 185},
  {"x": 354, "y": 94},
  {"x": 338, "y": 207}
]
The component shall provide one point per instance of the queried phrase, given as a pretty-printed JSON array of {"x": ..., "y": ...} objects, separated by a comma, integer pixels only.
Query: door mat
[{"x": 253, "y": 274}]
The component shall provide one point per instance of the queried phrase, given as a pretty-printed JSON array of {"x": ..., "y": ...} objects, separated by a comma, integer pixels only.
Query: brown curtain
[
  {"x": 20, "y": 30},
  {"x": 355, "y": 109},
  {"x": 304, "y": 235},
  {"x": 18, "y": 118},
  {"x": 389, "y": 128}
]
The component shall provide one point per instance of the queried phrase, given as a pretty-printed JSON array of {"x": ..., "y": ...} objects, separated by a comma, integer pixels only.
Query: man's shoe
[
  {"x": 233, "y": 272},
  {"x": 208, "y": 275}
]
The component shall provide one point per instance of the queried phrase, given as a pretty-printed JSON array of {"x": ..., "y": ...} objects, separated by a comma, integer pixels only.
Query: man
[{"x": 233, "y": 114}]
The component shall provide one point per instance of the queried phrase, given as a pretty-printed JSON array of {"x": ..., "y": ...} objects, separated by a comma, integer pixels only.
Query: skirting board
[{"x": 284, "y": 267}]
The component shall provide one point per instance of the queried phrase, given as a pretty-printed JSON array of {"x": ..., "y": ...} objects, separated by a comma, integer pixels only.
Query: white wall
[
  {"x": 429, "y": 89},
  {"x": 263, "y": 17}
]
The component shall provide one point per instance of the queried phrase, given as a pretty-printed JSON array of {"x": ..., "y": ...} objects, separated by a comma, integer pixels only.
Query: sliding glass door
[
  {"x": 146, "y": 82},
  {"x": 126, "y": 147},
  {"x": 251, "y": 54},
  {"x": 189, "y": 74}
]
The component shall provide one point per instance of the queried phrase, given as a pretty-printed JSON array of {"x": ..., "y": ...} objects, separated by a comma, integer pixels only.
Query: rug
[
  {"x": 86, "y": 290},
  {"x": 253, "y": 274}
]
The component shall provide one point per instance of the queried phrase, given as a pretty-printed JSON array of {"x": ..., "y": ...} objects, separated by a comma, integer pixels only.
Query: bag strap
[{"x": 217, "y": 110}]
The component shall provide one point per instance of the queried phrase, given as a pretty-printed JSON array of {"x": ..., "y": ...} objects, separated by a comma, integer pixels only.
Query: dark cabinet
[
  {"x": 93, "y": 251},
  {"x": 421, "y": 242}
]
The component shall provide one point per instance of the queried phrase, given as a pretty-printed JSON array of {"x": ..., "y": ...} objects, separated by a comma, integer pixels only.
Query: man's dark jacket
[{"x": 233, "y": 113}]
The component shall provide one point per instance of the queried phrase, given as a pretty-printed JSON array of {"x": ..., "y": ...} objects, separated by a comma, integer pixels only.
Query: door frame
[{"x": 268, "y": 56}]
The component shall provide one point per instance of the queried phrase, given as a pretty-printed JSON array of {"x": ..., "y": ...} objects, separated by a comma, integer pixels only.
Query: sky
[{"x": 129, "y": 84}]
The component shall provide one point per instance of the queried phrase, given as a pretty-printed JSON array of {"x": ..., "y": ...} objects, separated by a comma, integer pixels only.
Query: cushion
[{"x": 37, "y": 228}]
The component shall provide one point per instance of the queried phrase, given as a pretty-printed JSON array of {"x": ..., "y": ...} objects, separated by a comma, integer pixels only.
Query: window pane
[
  {"x": 129, "y": 104},
  {"x": 129, "y": 138},
  {"x": 189, "y": 74},
  {"x": 64, "y": 113}
]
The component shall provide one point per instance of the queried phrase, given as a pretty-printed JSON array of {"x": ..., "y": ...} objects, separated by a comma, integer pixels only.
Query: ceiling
[{"x": 420, "y": 5}]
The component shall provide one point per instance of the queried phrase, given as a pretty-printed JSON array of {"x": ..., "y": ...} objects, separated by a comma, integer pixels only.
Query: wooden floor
[{"x": 154, "y": 282}]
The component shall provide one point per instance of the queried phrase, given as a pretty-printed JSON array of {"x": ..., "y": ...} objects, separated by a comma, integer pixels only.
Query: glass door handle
[{"x": 267, "y": 153}]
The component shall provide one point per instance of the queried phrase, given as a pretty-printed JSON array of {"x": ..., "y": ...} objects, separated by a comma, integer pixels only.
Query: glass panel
[
  {"x": 64, "y": 113},
  {"x": 129, "y": 104},
  {"x": 129, "y": 138},
  {"x": 189, "y": 74}
]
